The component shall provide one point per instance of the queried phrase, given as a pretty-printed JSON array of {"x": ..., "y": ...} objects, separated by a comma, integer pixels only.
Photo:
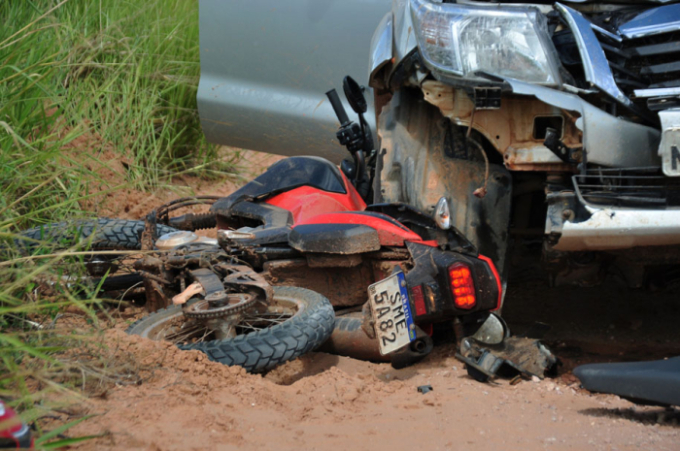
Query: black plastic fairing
[
  {"x": 251, "y": 214},
  {"x": 286, "y": 175},
  {"x": 430, "y": 271}
]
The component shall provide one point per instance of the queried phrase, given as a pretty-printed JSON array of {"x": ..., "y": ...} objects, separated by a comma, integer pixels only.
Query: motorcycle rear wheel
[{"x": 297, "y": 321}]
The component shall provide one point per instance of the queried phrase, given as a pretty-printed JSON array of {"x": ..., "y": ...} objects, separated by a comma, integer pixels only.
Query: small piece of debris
[{"x": 424, "y": 389}]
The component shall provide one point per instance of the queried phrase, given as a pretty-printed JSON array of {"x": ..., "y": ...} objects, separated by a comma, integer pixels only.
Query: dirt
[
  {"x": 112, "y": 194},
  {"x": 321, "y": 401}
]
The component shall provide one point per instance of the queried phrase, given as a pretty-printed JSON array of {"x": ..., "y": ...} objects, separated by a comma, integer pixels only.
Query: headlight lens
[{"x": 508, "y": 42}]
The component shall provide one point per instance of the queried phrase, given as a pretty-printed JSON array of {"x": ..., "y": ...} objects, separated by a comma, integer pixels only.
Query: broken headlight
[{"x": 504, "y": 41}]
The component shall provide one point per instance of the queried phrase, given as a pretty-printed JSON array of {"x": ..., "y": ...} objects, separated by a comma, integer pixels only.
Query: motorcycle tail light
[{"x": 462, "y": 286}]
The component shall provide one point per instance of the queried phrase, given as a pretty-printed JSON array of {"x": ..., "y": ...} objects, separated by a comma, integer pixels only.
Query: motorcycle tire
[
  {"x": 115, "y": 234},
  {"x": 261, "y": 350}
]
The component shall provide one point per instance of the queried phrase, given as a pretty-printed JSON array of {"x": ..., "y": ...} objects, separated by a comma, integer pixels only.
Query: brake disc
[{"x": 230, "y": 304}]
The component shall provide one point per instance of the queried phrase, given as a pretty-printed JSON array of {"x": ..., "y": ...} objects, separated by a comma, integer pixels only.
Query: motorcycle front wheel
[
  {"x": 296, "y": 322},
  {"x": 104, "y": 233}
]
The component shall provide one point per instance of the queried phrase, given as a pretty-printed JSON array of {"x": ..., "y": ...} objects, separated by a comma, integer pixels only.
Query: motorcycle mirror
[{"x": 355, "y": 95}]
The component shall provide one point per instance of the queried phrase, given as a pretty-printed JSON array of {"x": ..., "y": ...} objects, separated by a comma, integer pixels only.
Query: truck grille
[
  {"x": 628, "y": 187},
  {"x": 644, "y": 63}
]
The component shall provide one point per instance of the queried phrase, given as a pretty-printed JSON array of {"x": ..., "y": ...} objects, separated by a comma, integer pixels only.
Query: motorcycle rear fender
[{"x": 430, "y": 276}]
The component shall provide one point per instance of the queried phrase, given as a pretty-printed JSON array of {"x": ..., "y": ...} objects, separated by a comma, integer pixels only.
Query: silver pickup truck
[{"x": 551, "y": 123}]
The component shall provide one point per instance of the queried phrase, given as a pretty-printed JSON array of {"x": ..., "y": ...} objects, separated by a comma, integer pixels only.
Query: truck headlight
[{"x": 505, "y": 41}]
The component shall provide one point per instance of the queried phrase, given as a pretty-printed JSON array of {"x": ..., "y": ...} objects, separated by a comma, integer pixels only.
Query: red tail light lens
[{"x": 462, "y": 286}]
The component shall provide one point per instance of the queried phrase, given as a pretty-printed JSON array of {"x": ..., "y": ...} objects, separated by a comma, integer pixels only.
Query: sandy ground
[{"x": 327, "y": 402}]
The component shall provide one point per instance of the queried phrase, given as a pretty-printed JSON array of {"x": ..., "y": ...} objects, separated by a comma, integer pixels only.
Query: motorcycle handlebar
[{"x": 337, "y": 106}]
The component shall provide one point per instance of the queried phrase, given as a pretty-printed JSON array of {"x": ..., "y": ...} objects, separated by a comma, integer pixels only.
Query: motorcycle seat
[
  {"x": 334, "y": 238},
  {"x": 654, "y": 382}
]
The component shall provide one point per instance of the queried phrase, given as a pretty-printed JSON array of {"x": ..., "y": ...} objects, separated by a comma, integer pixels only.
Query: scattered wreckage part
[
  {"x": 492, "y": 331},
  {"x": 349, "y": 339},
  {"x": 649, "y": 383},
  {"x": 414, "y": 352},
  {"x": 516, "y": 355},
  {"x": 191, "y": 291},
  {"x": 309, "y": 324},
  {"x": 425, "y": 389},
  {"x": 413, "y": 168}
]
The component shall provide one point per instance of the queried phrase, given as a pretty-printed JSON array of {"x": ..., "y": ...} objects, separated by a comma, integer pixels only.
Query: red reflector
[
  {"x": 462, "y": 286},
  {"x": 419, "y": 300}
]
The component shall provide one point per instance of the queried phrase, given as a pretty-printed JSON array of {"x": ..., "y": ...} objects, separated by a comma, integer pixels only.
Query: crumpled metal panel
[
  {"x": 414, "y": 169},
  {"x": 608, "y": 140},
  {"x": 595, "y": 64},
  {"x": 654, "y": 21},
  {"x": 381, "y": 46}
]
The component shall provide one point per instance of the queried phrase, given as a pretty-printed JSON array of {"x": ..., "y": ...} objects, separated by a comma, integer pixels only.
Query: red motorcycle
[
  {"x": 300, "y": 258},
  {"x": 304, "y": 225}
]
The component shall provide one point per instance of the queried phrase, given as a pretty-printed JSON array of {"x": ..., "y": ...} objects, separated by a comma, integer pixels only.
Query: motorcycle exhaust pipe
[{"x": 349, "y": 340}]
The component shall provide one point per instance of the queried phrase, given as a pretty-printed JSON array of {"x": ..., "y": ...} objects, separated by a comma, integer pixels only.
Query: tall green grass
[{"x": 124, "y": 72}]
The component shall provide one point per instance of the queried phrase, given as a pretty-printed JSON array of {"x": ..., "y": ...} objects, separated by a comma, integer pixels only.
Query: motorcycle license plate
[{"x": 394, "y": 326}]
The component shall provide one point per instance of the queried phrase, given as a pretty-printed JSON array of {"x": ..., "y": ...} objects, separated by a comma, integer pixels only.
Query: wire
[{"x": 481, "y": 191}]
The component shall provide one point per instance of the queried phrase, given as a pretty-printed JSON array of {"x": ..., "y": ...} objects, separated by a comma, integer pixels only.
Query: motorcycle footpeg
[{"x": 414, "y": 352}]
